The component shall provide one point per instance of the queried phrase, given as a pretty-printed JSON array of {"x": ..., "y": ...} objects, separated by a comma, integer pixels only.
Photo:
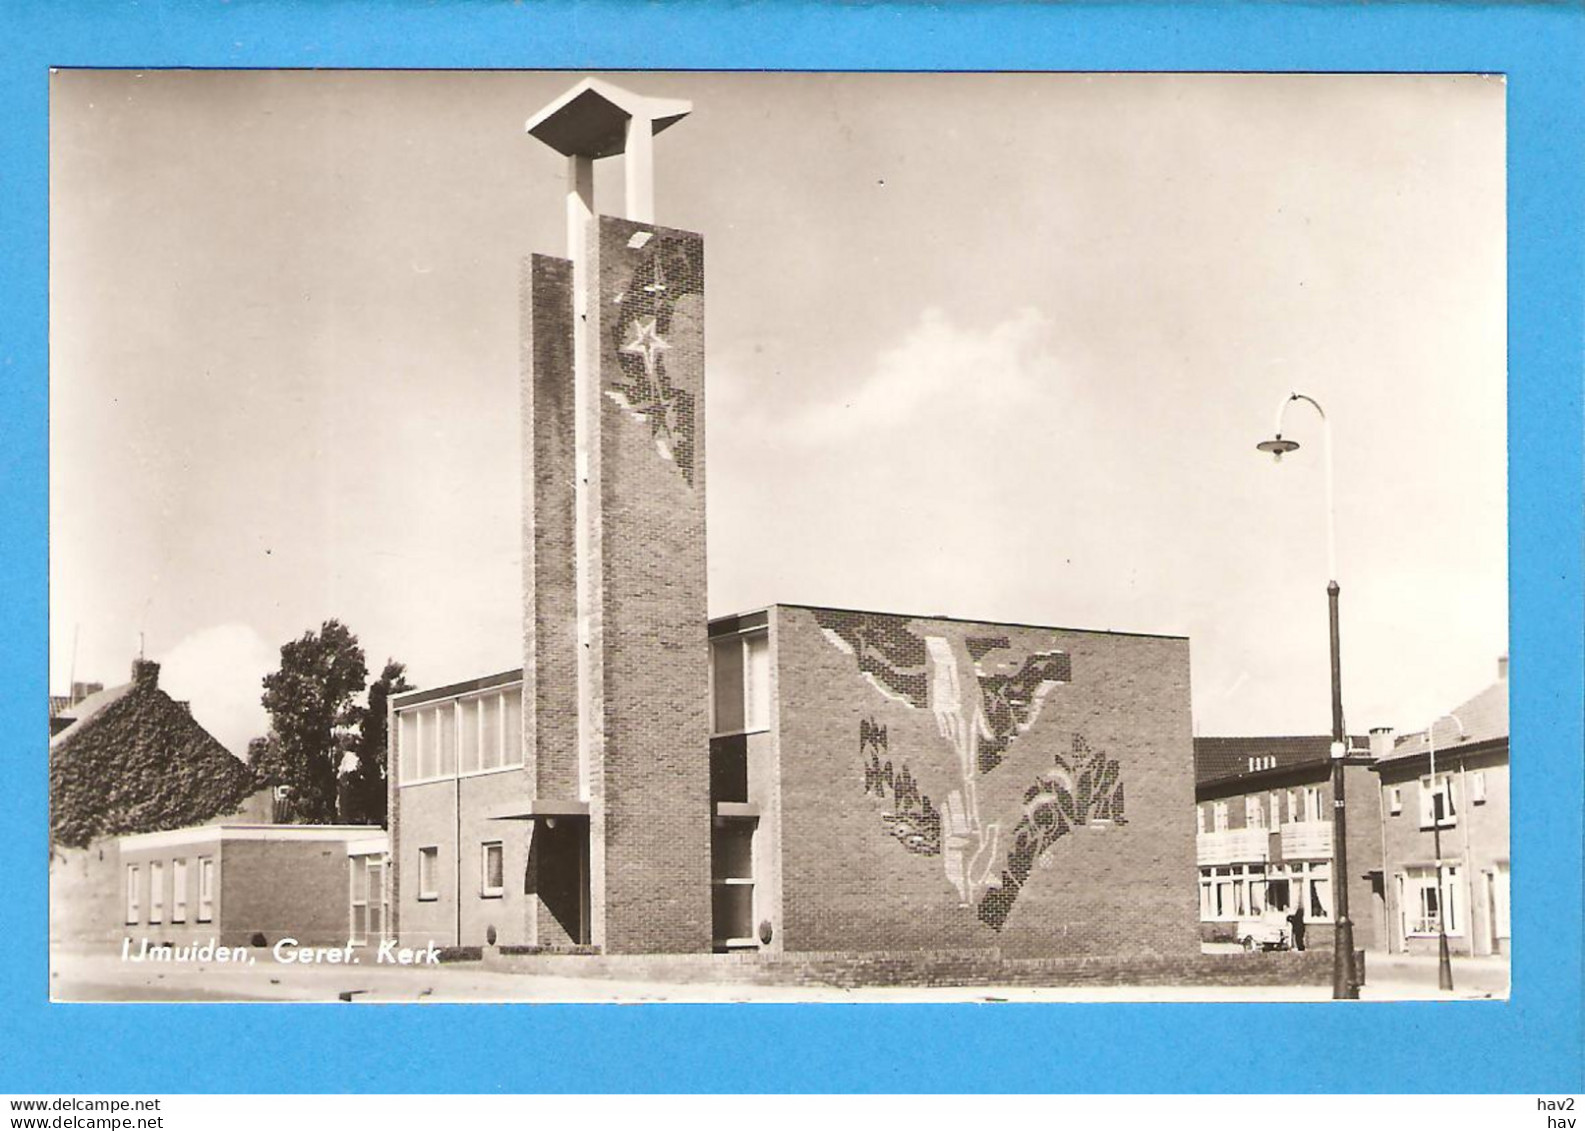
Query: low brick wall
[{"x": 934, "y": 968}]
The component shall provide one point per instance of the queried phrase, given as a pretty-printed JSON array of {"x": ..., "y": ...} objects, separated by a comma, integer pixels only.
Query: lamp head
[{"x": 1277, "y": 446}]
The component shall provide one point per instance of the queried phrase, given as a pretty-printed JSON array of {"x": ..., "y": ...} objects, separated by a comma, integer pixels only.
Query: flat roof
[
  {"x": 450, "y": 690},
  {"x": 169, "y": 838}
]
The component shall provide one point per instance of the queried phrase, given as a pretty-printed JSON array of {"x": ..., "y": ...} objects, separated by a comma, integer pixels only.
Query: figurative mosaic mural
[
  {"x": 1085, "y": 791},
  {"x": 664, "y": 270},
  {"x": 913, "y": 819},
  {"x": 980, "y": 719}
]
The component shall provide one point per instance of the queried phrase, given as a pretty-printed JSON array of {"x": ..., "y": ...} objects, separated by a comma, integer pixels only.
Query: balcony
[
  {"x": 1307, "y": 840},
  {"x": 1233, "y": 846}
]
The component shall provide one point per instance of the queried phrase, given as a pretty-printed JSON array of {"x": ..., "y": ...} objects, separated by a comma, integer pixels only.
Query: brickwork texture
[{"x": 951, "y": 784}]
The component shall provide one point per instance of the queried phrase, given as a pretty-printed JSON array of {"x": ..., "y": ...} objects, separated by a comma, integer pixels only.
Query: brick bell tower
[{"x": 615, "y": 678}]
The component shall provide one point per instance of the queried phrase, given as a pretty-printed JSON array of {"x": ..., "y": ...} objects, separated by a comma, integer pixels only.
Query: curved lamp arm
[{"x": 1326, "y": 428}]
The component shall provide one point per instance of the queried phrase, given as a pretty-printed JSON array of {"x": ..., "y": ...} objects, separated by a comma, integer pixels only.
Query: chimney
[
  {"x": 1502, "y": 668},
  {"x": 146, "y": 674},
  {"x": 1380, "y": 742}
]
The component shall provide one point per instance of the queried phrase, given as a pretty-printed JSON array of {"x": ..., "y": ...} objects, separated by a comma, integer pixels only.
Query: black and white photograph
[{"x": 644, "y": 536}]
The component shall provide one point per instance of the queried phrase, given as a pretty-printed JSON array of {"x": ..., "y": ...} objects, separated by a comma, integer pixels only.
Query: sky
[{"x": 989, "y": 346}]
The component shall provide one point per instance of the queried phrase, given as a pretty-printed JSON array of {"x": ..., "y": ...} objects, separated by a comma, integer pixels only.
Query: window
[
  {"x": 1275, "y": 809},
  {"x": 1221, "y": 816},
  {"x": 1295, "y": 806},
  {"x": 379, "y": 898},
  {"x": 468, "y": 755},
  {"x": 732, "y": 884},
  {"x": 740, "y": 683},
  {"x": 1477, "y": 787},
  {"x": 492, "y": 880},
  {"x": 360, "y": 900},
  {"x": 1254, "y": 817},
  {"x": 134, "y": 915},
  {"x": 1395, "y": 800},
  {"x": 178, "y": 891},
  {"x": 206, "y": 888},
  {"x": 407, "y": 745},
  {"x": 1499, "y": 902},
  {"x": 1436, "y": 802},
  {"x": 512, "y": 727},
  {"x": 1422, "y": 903},
  {"x": 445, "y": 722},
  {"x": 490, "y": 732},
  {"x": 428, "y": 869},
  {"x": 1312, "y": 803},
  {"x": 477, "y": 734},
  {"x": 157, "y": 891}
]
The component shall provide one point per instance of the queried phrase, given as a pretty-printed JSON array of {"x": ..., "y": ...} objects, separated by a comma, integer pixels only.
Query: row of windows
[
  {"x": 1264, "y": 811},
  {"x": 1246, "y": 891},
  {"x": 492, "y": 871},
  {"x": 1437, "y": 804},
  {"x": 178, "y": 891},
  {"x": 471, "y": 735}
]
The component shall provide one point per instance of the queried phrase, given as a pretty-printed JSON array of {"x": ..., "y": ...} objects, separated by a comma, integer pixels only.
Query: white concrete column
[{"x": 639, "y": 164}]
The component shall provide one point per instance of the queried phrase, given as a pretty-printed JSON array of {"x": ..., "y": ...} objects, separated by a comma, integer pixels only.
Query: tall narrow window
[
  {"x": 756, "y": 695},
  {"x": 492, "y": 870},
  {"x": 178, "y": 891},
  {"x": 512, "y": 727},
  {"x": 156, "y": 891},
  {"x": 446, "y": 738},
  {"x": 407, "y": 745},
  {"x": 134, "y": 914},
  {"x": 379, "y": 899},
  {"x": 726, "y": 675},
  {"x": 732, "y": 882},
  {"x": 428, "y": 869},
  {"x": 359, "y": 928},
  {"x": 468, "y": 738},
  {"x": 490, "y": 732},
  {"x": 428, "y": 752},
  {"x": 206, "y": 888}
]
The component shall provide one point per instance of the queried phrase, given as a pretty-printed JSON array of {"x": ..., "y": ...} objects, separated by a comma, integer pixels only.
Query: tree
[
  {"x": 314, "y": 718},
  {"x": 363, "y": 790}
]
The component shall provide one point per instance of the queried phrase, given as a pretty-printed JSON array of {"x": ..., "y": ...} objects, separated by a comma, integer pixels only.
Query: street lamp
[
  {"x": 1444, "y": 961},
  {"x": 1344, "y": 984}
]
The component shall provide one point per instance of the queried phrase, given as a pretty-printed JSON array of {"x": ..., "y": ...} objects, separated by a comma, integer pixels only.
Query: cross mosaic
[{"x": 665, "y": 270}]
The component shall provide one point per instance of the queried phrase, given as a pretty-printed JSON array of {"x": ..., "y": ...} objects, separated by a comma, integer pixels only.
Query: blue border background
[{"x": 1530, "y": 1044}]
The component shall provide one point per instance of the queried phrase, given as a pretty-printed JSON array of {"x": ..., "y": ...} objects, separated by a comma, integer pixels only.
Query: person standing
[{"x": 1296, "y": 921}]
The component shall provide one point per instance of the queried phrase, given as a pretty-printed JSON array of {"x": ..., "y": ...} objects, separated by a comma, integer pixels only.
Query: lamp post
[
  {"x": 1344, "y": 984},
  {"x": 1444, "y": 960}
]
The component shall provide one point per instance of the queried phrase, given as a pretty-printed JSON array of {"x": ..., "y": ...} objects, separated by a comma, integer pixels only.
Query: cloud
[
  {"x": 219, "y": 671},
  {"x": 926, "y": 374}
]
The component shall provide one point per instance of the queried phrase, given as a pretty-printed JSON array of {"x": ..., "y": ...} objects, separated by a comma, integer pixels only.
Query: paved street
[{"x": 102, "y": 976}]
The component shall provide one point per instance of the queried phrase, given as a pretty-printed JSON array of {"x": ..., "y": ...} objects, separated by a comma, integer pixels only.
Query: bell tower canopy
[{"x": 592, "y": 119}]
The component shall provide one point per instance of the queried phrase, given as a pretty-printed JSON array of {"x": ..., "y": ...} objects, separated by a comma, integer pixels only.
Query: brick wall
[
  {"x": 1477, "y": 841},
  {"x": 1057, "y": 765},
  {"x": 550, "y": 608},
  {"x": 283, "y": 889},
  {"x": 649, "y": 789},
  {"x": 191, "y": 929}
]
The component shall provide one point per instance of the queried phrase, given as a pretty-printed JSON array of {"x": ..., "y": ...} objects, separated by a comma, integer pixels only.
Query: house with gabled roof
[{"x": 1450, "y": 778}]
